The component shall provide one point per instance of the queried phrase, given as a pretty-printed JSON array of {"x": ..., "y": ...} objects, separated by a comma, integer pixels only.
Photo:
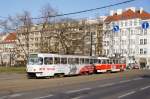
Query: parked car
[
  {"x": 136, "y": 66},
  {"x": 133, "y": 66}
]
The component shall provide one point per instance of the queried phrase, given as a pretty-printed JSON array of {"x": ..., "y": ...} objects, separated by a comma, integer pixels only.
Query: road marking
[
  {"x": 77, "y": 97},
  {"x": 146, "y": 87},
  {"x": 138, "y": 78},
  {"x": 4, "y": 97},
  {"x": 127, "y": 94},
  {"x": 73, "y": 91},
  {"x": 124, "y": 81},
  {"x": 12, "y": 96},
  {"x": 16, "y": 95},
  {"x": 44, "y": 97},
  {"x": 105, "y": 85}
]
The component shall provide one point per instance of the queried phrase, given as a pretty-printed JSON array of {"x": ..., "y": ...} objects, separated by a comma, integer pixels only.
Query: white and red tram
[
  {"x": 110, "y": 65},
  {"x": 47, "y": 65}
]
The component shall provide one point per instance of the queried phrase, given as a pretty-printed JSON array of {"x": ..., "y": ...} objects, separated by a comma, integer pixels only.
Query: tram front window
[{"x": 35, "y": 61}]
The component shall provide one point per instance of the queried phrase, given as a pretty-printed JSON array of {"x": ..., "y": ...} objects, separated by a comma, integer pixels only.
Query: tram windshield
[{"x": 35, "y": 60}]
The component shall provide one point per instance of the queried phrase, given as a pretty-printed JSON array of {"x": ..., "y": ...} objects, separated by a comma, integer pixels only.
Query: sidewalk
[{"x": 9, "y": 76}]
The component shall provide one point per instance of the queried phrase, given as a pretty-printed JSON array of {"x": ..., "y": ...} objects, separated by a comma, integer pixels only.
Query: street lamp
[
  {"x": 145, "y": 26},
  {"x": 115, "y": 29}
]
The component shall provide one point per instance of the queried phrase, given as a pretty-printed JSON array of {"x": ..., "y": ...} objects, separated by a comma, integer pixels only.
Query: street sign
[
  {"x": 115, "y": 28},
  {"x": 145, "y": 25}
]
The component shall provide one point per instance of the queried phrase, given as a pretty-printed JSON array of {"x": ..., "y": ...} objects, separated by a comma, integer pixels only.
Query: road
[{"x": 124, "y": 85}]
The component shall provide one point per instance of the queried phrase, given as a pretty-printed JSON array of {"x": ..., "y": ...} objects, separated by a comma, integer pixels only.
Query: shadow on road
[{"x": 145, "y": 76}]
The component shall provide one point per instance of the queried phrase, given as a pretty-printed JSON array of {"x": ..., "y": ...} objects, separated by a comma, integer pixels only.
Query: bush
[{"x": 12, "y": 69}]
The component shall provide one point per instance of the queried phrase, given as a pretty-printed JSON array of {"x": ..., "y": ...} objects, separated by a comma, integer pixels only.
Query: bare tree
[
  {"x": 21, "y": 24},
  {"x": 57, "y": 36},
  {"x": 72, "y": 36},
  {"x": 1, "y": 58},
  {"x": 54, "y": 33},
  {"x": 27, "y": 25},
  {"x": 47, "y": 11}
]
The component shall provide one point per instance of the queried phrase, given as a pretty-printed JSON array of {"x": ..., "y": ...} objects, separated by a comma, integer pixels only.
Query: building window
[
  {"x": 135, "y": 23},
  {"x": 123, "y": 42},
  {"x": 93, "y": 33},
  {"x": 131, "y": 23},
  {"x": 126, "y": 23},
  {"x": 145, "y": 51},
  {"x": 132, "y": 41},
  {"x": 144, "y": 32},
  {"x": 141, "y": 51},
  {"x": 141, "y": 41},
  {"x": 145, "y": 41},
  {"x": 131, "y": 32},
  {"x": 121, "y": 25}
]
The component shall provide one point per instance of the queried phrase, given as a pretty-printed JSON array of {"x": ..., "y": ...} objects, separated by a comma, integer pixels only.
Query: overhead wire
[{"x": 83, "y": 11}]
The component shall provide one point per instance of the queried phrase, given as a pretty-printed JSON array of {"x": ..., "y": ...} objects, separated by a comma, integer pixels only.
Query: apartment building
[
  {"x": 82, "y": 37},
  {"x": 125, "y": 37},
  {"x": 8, "y": 49}
]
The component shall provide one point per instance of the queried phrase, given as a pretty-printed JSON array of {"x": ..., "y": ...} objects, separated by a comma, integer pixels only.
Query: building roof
[
  {"x": 128, "y": 14},
  {"x": 11, "y": 37}
]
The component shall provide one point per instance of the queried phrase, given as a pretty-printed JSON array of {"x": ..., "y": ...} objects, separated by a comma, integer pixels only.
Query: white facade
[
  {"x": 7, "y": 49},
  {"x": 144, "y": 45},
  {"x": 131, "y": 41}
]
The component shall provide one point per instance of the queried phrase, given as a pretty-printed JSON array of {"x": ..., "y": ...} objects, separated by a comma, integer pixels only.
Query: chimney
[
  {"x": 119, "y": 11},
  {"x": 131, "y": 8},
  {"x": 112, "y": 12},
  {"x": 141, "y": 9}
]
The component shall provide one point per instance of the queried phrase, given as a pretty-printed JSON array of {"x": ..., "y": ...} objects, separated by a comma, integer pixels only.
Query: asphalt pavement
[{"x": 133, "y": 87}]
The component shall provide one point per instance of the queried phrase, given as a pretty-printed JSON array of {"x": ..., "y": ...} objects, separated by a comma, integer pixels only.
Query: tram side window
[
  {"x": 63, "y": 60},
  {"x": 122, "y": 61},
  {"x": 107, "y": 61},
  {"x": 40, "y": 61},
  {"x": 99, "y": 61},
  {"x": 48, "y": 60},
  {"x": 111, "y": 62},
  {"x": 95, "y": 60},
  {"x": 117, "y": 61},
  {"x": 81, "y": 60},
  {"x": 56, "y": 60},
  {"x": 73, "y": 60},
  {"x": 70, "y": 60},
  {"x": 104, "y": 61},
  {"x": 87, "y": 61},
  {"x": 76, "y": 60},
  {"x": 91, "y": 61},
  {"x": 114, "y": 61}
]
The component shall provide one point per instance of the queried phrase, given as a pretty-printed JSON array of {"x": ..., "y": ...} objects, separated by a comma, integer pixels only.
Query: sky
[{"x": 13, "y": 7}]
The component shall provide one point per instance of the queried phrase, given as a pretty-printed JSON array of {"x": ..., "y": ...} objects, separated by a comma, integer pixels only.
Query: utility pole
[
  {"x": 1, "y": 58},
  {"x": 91, "y": 37},
  {"x": 112, "y": 42},
  {"x": 91, "y": 40},
  {"x": 120, "y": 47},
  {"x": 10, "y": 58},
  {"x": 128, "y": 52}
]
